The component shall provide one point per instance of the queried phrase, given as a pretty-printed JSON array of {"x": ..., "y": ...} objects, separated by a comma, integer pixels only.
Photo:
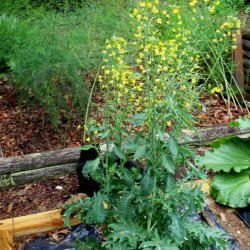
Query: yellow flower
[
  {"x": 142, "y": 4},
  {"x": 155, "y": 10},
  {"x": 168, "y": 123},
  {"x": 138, "y": 61},
  {"x": 135, "y": 12},
  {"x": 79, "y": 126},
  {"x": 95, "y": 132},
  {"x": 176, "y": 10},
  {"x": 159, "y": 20},
  {"x": 215, "y": 90},
  {"x": 87, "y": 139}
]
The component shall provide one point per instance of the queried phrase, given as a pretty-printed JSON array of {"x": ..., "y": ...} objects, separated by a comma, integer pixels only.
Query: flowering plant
[{"x": 150, "y": 84}]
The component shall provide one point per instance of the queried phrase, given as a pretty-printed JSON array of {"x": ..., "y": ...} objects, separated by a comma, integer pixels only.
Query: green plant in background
[
  {"x": 231, "y": 158},
  {"x": 150, "y": 84},
  {"x": 50, "y": 52}
]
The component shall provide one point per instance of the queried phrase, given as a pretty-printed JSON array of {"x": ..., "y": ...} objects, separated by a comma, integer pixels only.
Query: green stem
[{"x": 88, "y": 104}]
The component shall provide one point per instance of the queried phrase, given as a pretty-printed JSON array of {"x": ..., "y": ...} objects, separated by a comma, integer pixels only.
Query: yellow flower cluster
[{"x": 158, "y": 66}]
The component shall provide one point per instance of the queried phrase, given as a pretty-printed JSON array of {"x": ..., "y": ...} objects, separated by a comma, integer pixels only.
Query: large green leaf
[
  {"x": 244, "y": 122},
  {"x": 233, "y": 155},
  {"x": 232, "y": 189}
]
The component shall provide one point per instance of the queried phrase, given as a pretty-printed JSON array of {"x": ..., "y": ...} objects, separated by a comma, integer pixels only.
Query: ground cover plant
[
  {"x": 151, "y": 84},
  {"x": 231, "y": 159}
]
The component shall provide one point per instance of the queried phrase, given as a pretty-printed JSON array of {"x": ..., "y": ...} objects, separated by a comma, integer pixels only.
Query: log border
[{"x": 32, "y": 167}]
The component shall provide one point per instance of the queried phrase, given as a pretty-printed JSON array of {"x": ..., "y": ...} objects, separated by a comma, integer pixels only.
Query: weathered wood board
[{"x": 35, "y": 223}]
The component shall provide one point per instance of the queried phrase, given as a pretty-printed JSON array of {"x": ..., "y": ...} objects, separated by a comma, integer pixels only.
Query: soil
[{"x": 28, "y": 130}]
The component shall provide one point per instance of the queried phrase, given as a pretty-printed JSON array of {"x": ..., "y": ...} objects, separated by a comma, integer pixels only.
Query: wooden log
[
  {"x": 6, "y": 240},
  {"x": 39, "y": 160},
  {"x": 238, "y": 59},
  {"x": 21, "y": 178},
  {"x": 212, "y": 133},
  {"x": 35, "y": 223},
  {"x": 5, "y": 180}
]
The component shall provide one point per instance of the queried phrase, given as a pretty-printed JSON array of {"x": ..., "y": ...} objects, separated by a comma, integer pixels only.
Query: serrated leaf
[
  {"x": 244, "y": 122},
  {"x": 233, "y": 155},
  {"x": 173, "y": 146},
  {"x": 124, "y": 206},
  {"x": 90, "y": 166},
  {"x": 119, "y": 152},
  {"x": 168, "y": 163},
  {"x": 98, "y": 212},
  {"x": 147, "y": 184},
  {"x": 140, "y": 151},
  {"x": 138, "y": 119},
  {"x": 232, "y": 189},
  {"x": 175, "y": 227}
]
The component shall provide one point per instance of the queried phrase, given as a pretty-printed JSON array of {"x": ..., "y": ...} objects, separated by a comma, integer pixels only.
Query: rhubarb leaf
[{"x": 232, "y": 189}]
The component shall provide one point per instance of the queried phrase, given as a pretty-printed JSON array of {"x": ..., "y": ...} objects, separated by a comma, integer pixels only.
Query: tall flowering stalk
[{"x": 151, "y": 84}]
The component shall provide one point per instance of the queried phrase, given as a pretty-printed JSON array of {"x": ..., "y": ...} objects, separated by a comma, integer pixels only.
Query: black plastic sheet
[
  {"x": 78, "y": 233},
  {"x": 233, "y": 244},
  {"x": 244, "y": 215}
]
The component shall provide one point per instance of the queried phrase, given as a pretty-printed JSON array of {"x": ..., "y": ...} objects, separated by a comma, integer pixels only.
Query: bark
[{"x": 38, "y": 160}]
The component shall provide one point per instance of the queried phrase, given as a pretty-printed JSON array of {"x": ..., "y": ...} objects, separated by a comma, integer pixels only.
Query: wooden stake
[{"x": 238, "y": 59}]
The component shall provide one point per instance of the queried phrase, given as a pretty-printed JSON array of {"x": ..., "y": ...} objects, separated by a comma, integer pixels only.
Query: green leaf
[
  {"x": 175, "y": 227},
  {"x": 232, "y": 189},
  {"x": 161, "y": 135},
  {"x": 168, "y": 163},
  {"x": 98, "y": 212},
  {"x": 173, "y": 146},
  {"x": 119, "y": 152},
  {"x": 244, "y": 122},
  {"x": 124, "y": 206},
  {"x": 104, "y": 134},
  {"x": 90, "y": 166},
  {"x": 86, "y": 147},
  {"x": 140, "y": 151},
  {"x": 233, "y": 155},
  {"x": 139, "y": 119},
  {"x": 147, "y": 184}
]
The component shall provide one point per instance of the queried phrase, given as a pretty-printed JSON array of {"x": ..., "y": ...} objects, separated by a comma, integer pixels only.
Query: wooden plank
[
  {"x": 35, "y": 223},
  {"x": 6, "y": 240},
  {"x": 205, "y": 185},
  {"x": 39, "y": 160},
  {"x": 238, "y": 59}
]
